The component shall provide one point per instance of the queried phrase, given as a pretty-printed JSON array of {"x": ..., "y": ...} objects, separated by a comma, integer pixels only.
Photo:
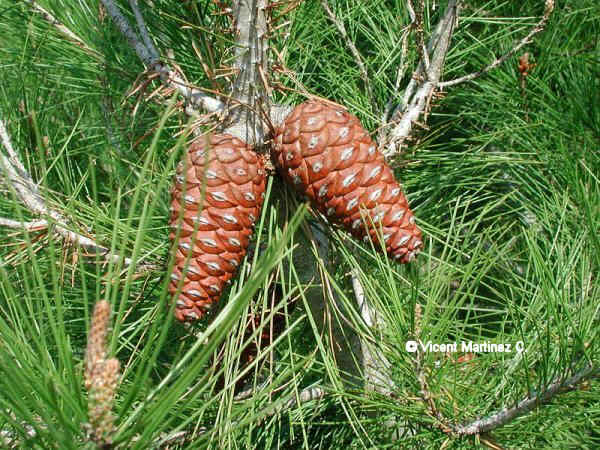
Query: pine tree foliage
[{"x": 503, "y": 176}]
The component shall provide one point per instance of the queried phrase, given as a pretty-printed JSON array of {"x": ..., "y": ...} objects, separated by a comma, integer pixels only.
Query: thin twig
[
  {"x": 526, "y": 40},
  {"x": 179, "y": 437},
  {"x": 48, "y": 17},
  {"x": 304, "y": 396},
  {"x": 364, "y": 75},
  {"x": 526, "y": 405},
  {"x": 27, "y": 191},
  {"x": 419, "y": 74},
  {"x": 416, "y": 15},
  {"x": 399, "y": 76},
  {"x": 146, "y": 51},
  {"x": 150, "y": 58}
]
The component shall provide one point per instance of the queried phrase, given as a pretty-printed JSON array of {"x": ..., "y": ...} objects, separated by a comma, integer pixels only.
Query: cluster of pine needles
[{"x": 504, "y": 178}]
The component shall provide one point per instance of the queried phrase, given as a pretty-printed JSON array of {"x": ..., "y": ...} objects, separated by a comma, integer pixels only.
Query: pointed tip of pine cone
[
  {"x": 215, "y": 201},
  {"x": 408, "y": 253},
  {"x": 325, "y": 153}
]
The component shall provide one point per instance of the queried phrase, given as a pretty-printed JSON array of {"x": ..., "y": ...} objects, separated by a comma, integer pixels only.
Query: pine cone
[
  {"x": 225, "y": 184},
  {"x": 328, "y": 156}
]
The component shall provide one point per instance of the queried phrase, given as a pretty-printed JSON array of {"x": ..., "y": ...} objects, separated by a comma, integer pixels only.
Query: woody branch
[
  {"x": 249, "y": 103},
  {"x": 506, "y": 415},
  {"x": 376, "y": 366},
  {"x": 424, "y": 82},
  {"x": 148, "y": 54},
  {"x": 27, "y": 191},
  {"x": 144, "y": 47},
  {"x": 426, "y": 78},
  {"x": 549, "y": 7}
]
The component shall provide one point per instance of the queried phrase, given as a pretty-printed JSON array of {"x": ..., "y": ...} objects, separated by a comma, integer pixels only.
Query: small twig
[
  {"x": 411, "y": 11},
  {"x": 305, "y": 396},
  {"x": 27, "y": 191},
  {"x": 387, "y": 112},
  {"x": 48, "y": 17},
  {"x": 13, "y": 158},
  {"x": 150, "y": 58},
  {"x": 526, "y": 40},
  {"x": 526, "y": 405},
  {"x": 416, "y": 15},
  {"x": 419, "y": 74},
  {"x": 179, "y": 437},
  {"x": 364, "y": 75}
]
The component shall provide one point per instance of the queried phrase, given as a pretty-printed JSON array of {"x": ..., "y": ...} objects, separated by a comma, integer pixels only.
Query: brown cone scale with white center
[
  {"x": 327, "y": 155},
  {"x": 220, "y": 189}
]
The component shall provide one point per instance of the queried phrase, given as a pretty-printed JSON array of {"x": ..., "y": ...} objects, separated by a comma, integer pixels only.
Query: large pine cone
[
  {"x": 224, "y": 191},
  {"x": 327, "y": 155}
]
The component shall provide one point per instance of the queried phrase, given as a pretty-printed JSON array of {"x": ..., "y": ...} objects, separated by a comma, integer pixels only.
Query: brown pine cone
[
  {"x": 328, "y": 156},
  {"x": 224, "y": 191}
]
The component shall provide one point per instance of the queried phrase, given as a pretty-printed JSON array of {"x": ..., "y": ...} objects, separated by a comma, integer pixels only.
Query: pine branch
[
  {"x": 62, "y": 28},
  {"x": 416, "y": 15},
  {"x": 35, "y": 225},
  {"x": 247, "y": 92},
  {"x": 428, "y": 78},
  {"x": 526, "y": 405},
  {"x": 364, "y": 75},
  {"x": 549, "y": 7},
  {"x": 149, "y": 56},
  {"x": 419, "y": 73},
  {"x": 19, "y": 180},
  {"x": 249, "y": 102},
  {"x": 381, "y": 136},
  {"x": 312, "y": 260},
  {"x": 141, "y": 25},
  {"x": 420, "y": 373},
  {"x": 304, "y": 396}
]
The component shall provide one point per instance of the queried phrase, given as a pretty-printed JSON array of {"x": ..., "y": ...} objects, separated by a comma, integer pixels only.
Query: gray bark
[{"x": 249, "y": 105}]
